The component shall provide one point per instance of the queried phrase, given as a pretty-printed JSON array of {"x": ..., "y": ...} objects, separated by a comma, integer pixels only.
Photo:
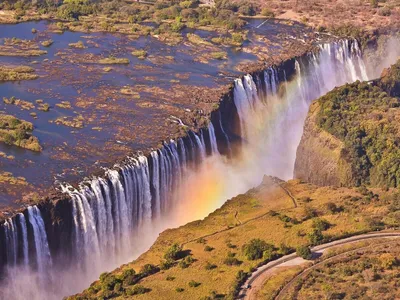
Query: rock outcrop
[{"x": 319, "y": 158}]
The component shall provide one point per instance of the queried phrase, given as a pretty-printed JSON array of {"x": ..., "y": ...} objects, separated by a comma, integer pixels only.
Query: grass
[
  {"x": 47, "y": 43},
  {"x": 17, "y": 73},
  {"x": 114, "y": 61},
  {"x": 17, "y": 132},
  {"x": 197, "y": 40},
  {"x": 367, "y": 273},
  {"x": 21, "y": 53},
  {"x": 219, "y": 55},
  {"x": 141, "y": 54},
  {"x": 258, "y": 211},
  {"x": 276, "y": 281},
  {"x": 77, "y": 45}
]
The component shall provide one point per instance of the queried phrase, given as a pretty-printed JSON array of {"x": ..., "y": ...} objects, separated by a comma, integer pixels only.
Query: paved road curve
[{"x": 258, "y": 277}]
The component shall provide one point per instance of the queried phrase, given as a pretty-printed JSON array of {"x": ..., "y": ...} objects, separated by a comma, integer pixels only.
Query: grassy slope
[{"x": 359, "y": 213}]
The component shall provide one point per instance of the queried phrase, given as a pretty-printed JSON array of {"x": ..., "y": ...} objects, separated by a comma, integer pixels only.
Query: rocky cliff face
[{"x": 319, "y": 158}]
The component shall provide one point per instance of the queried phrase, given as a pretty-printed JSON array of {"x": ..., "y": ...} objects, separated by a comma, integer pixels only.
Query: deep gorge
[{"x": 109, "y": 220}]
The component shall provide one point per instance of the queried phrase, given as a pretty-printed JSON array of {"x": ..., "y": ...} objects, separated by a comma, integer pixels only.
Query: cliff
[
  {"x": 351, "y": 135},
  {"x": 319, "y": 157}
]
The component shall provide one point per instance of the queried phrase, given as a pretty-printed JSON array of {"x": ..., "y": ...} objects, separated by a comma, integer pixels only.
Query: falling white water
[
  {"x": 24, "y": 238},
  {"x": 43, "y": 257},
  {"x": 117, "y": 217},
  {"x": 213, "y": 139}
]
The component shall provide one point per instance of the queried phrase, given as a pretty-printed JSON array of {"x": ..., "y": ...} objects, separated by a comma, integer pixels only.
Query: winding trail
[{"x": 259, "y": 276}]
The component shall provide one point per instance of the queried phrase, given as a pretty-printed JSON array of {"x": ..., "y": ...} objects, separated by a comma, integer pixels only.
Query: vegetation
[
  {"x": 362, "y": 116},
  {"x": 114, "y": 61},
  {"x": 235, "y": 245},
  {"x": 256, "y": 248},
  {"x": 366, "y": 273},
  {"x": 17, "y": 73},
  {"x": 304, "y": 252},
  {"x": 17, "y": 132},
  {"x": 141, "y": 54}
]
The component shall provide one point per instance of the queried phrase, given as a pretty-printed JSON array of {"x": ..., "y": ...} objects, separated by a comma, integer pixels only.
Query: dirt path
[{"x": 258, "y": 277}]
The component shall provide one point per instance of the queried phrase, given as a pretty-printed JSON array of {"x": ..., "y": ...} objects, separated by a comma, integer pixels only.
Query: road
[{"x": 259, "y": 276}]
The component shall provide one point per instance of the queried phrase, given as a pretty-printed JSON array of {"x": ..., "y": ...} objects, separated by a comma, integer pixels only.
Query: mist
[{"x": 271, "y": 123}]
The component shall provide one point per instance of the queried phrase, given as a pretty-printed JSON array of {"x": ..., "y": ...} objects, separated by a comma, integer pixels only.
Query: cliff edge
[
  {"x": 351, "y": 136},
  {"x": 319, "y": 157}
]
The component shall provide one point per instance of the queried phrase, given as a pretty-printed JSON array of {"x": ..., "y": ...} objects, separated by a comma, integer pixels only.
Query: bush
[
  {"x": 208, "y": 248},
  {"x": 320, "y": 224},
  {"x": 194, "y": 284},
  {"x": 170, "y": 278},
  {"x": 232, "y": 261},
  {"x": 108, "y": 281},
  {"x": 266, "y": 12},
  {"x": 138, "y": 290},
  {"x": 304, "y": 252},
  {"x": 210, "y": 266},
  {"x": 174, "y": 252},
  {"x": 255, "y": 249},
  {"x": 166, "y": 264},
  {"x": 179, "y": 290},
  {"x": 149, "y": 269},
  {"x": 315, "y": 237},
  {"x": 128, "y": 272},
  {"x": 186, "y": 262}
]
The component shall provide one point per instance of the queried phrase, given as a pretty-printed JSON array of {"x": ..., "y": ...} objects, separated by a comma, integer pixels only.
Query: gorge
[{"x": 109, "y": 220}]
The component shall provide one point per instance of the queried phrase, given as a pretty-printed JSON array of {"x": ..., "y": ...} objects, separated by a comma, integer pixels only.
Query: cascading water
[{"x": 112, "y": 216}]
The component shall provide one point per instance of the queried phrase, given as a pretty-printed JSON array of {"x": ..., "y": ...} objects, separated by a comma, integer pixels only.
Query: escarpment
[
  {"x": 319, "y": 158},
  {"x": 351, "y": 135}
]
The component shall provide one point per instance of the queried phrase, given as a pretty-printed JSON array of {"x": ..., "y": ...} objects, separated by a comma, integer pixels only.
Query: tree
[
  {"x": 320, "y": 224},
  {"x": 174, "y": 252},
  {"x": 304, "y": 252},
  {"x": 256, "y": 248}
]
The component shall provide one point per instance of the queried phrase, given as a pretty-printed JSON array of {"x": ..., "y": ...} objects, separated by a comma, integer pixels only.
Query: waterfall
[
  {"x": 43, "y": 257},
  {"x": 155, "y": 180},
  {"x": 24, "y": 238},
  {"x": 213, "y": 139},
  {"x": 112, "y": 214}
]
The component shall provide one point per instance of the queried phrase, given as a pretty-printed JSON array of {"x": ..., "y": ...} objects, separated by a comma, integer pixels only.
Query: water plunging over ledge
[{"x": 50, "y": 252}]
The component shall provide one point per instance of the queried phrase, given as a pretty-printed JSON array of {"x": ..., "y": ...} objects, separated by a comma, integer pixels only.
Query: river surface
[{"x": 115, "y": 124}]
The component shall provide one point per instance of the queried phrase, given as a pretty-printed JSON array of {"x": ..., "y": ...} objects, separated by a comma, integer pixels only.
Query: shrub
[
  {"x": 255, "y": 249},
  {"x": 174, "y": 252},
  {"x": 194, "y": 284},
  {"x": 304, "y": 252},
  {"x": 170, "y": 278},
  {"x": 179, "y": 290},
  {"x": 284, "y": 249},
  {"x": 210, "y": 266},
  {"x": 186, "y": 262},
  {"x": 208, "y": 248},
  {"x": 128, "y": 272},
  {"x": 108, "y": 281},
  {"x": 138, "y": 290},
  {"x": 166, "y": 264},
  {"x": 315, "y": 237},
  {"x": 149, "y": 269},
  {"x": 320, "y": 224},
  {"x": 266, "y": 12},
  {"x": 232, "y": 261}
]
